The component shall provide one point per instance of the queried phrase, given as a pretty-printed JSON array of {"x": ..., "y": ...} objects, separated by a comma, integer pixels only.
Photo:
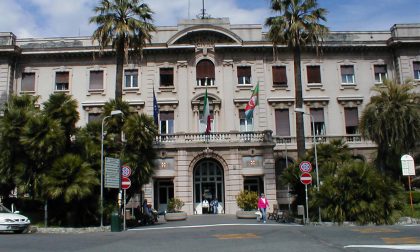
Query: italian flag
[
  {"x": 206, "y": 114},
  {"x": 253, "y": 102}
]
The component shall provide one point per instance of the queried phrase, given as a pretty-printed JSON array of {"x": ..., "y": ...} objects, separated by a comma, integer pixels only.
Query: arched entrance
[{"x": 208, "y": 184}]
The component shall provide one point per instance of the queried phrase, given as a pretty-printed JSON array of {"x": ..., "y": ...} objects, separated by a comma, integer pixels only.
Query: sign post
[
  {"x": 125, "y": 184},
  {"x": 408, "y": 169},
  {"x": 306, "y": 179}
]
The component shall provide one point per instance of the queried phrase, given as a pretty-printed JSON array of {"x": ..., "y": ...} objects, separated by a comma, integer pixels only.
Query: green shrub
[
  {"x": 247, "y": 200},
  {"x": 358, "y": 192},
  {"x": 175, "y": 205},
  {"x": 416, "y": 197}
]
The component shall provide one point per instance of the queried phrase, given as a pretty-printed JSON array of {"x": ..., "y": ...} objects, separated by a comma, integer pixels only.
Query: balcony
[{"x": 252, "y": 138}]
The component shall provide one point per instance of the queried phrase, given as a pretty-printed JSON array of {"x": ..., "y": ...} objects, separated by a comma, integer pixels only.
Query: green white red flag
[
  {"x": 253, "y": 102},
  {"x": 206, "y": 113}
]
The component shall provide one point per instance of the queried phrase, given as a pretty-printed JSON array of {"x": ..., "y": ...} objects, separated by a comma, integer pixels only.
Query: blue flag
[{"x": 155, "y": 109}]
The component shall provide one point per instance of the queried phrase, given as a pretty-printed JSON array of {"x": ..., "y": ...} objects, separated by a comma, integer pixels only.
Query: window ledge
[
  {"x": 167, "y": 89},
  {"x": 96, "y": 91},
  {"x": 131, "y": 90},
  {"x": 27, "y": 92},
  {"x": 205, "y": 87},
  {"x": 240, "y": 87},
  {"x": 62, "y": 91},
  {"x": 280, "y": 87},
  {"x": 349, "y": 86},
  {"x": 310, "y": 86}
]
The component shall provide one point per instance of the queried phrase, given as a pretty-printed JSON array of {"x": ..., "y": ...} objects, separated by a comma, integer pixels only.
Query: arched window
[{"x": 205, "y": 73}]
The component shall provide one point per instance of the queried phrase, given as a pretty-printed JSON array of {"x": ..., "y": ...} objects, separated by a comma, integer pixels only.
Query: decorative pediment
[
  {"x": 205, "y": 35},
  {"x": 281, "y": 102},
  {"x": 316, "y": 102},
  {"x": 350, "y": 101}
]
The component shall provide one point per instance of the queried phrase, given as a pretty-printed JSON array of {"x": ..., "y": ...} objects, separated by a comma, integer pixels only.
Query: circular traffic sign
[
  {"x": 125, "y": 171},
  {"x": 125, "y": 183},
  {"x": 306, "y": 178},
  {"x": 305, "y": 166}
]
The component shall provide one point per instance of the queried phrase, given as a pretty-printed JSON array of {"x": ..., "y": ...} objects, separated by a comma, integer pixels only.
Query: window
[
  {"x": 28, "y": 82},
  {"x": 96, "y": 80},
  {"x": 318, "y": 117},
  {"x": 166, "y": 77},
  {"x": 244, "y": 74},
  {"x": 314, "y": 74},
  {"x": 416, "y": 67},
  {"x": 131, "y": 77},
  {"x": 94, "y": 117},
  {"x": 380, "y": 73},
  {"x": 279, "y": 76},
  {"x": 61, "y": 81},
  {"x": 245, "y": 123},
  {"x": 352, "y": 120},
  {"x": 166, "y": 122},
  {"x": 205, "y": 73},
  {"x": 347, "y": 74},
  {"x": 282, "y": 122}
]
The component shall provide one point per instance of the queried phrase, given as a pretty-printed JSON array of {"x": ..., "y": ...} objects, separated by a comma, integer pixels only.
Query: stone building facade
[{"x": 227, "y": 60}]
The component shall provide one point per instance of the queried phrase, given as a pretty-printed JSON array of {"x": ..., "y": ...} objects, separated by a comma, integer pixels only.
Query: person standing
[
  {"x": 215, "y": 204},
  {"x": 263, "y": 205}
]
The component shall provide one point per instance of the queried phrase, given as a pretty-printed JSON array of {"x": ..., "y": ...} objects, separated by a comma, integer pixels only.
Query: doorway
[
  {"x": 208, "y": 184},
  {"x": 164, "y": 189}
]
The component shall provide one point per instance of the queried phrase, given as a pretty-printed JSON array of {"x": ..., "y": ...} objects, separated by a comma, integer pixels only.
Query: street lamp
[
  {"x": 301, "y": 110},
  {"x": 114, "y": 112}
]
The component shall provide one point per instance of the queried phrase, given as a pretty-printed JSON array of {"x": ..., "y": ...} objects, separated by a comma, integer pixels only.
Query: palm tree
[
  {"x": 297, "y": 25},
  {"x": 17, "y": 111},
  {"x": 140, "y": 132},
  {"x": 125, "y": 23},
  {"x": 63, "y": 107},
  {"x": 392, "y": 121}
]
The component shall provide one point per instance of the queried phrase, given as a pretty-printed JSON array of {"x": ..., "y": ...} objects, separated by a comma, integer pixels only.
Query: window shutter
[
  {"x": 351, "y": 117},
  {"x": 313, "y": 74},
  {"x": 279, "y": 75},
  {"x": 318, "y": 114},
  {"x": 166, "y": 115},
  {"x": 205, "y": 68},
  {"x": 348, "y": 70},
  {"x": 96, "y": 79},
  {"x": 62, "y": 77},
  {"x": 28, "y": 82},
  {"x": 282, "y": 122},
  {"x": 380, "y": 68},
  {"x": 244, "y": 71}
]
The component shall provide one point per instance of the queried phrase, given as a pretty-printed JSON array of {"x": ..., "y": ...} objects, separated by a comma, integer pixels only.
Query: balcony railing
[
  {"x": 254, "y": 137},
  {"x": 216, "y": 137}
]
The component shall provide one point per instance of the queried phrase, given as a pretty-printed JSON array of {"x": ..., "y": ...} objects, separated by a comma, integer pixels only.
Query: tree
[
  {"x": 127, "y": 24},
  {"x": 140, "y": 132},
  {"x": 358, "y": 192},
  {"x": 17, "y": 111},
  {"x": 63, "y": 107},
  {"x": 297, "y": 25},
  {"x": 392, "y": 120}
]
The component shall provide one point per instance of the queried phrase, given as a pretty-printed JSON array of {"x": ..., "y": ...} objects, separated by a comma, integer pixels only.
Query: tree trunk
[
  {"x": 119, "y": 71},
  {"x": 300, "y": 131}
]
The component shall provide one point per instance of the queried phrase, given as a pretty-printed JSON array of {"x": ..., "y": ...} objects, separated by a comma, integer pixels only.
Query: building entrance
[
  {"x": 208, "y": 185},
  {"x": 164, "y": 189}
]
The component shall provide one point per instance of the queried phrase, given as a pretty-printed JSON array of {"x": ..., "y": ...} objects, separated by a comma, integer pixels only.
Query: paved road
[{"x": 224, "y": 233}]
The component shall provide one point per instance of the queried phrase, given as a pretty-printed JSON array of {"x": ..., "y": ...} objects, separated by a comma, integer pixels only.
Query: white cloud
[{"x": 13, "y": 18}]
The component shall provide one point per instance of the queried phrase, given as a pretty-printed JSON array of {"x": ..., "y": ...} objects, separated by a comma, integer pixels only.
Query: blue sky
[{"x": 66, "y": 18}]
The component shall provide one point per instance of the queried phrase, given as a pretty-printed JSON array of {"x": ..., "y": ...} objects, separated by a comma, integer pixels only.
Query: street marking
[
  {"x": 213, "y": 225},
  {"x": 399, "y": 240},
  {"x": 399, "y": 247},
  {"x": 236, "y": 236},
  {"x": 375, "y": 230}
]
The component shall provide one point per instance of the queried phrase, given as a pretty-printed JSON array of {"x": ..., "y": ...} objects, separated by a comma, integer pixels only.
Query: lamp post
[
  {"x": 114, "y": 112},
  {"x": 300, "y": 110}
]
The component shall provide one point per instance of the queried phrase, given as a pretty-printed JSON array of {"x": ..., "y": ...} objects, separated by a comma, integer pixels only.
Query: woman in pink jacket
[{"x": 263, "y": 205}]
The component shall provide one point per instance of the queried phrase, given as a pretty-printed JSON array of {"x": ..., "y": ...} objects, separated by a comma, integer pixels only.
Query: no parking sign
[{"x": 305, "y": 166}]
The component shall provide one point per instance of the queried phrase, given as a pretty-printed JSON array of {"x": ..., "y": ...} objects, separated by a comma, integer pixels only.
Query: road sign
[
  {"x": 125, "y": 183},
  {"x": 407, "y": 165},
  {"x": 112, "y": 172},
  {"x": 305, "y": 166},
  {"x": 125, "y": 171},
  {"x": 306, "y": 178}
]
